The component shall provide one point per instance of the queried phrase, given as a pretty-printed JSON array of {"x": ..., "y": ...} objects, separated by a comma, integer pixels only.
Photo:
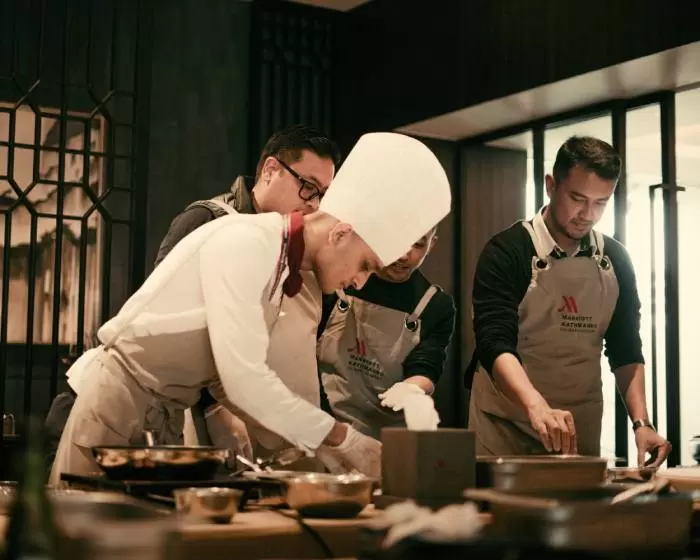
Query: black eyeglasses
[{"x": 307, "y": 189}]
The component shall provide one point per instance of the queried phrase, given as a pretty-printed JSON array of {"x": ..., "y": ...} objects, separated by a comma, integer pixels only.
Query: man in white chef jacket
[
  {"x": 205, "y": 312},
  {"x": 293, "y": 172}
]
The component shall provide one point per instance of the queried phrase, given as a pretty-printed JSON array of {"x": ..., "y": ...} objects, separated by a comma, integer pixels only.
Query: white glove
[
  {"x": 450, "y": 524},
  {"x": 357, "y": 452},
  {"x": 395, "y": 396},
  {"x": 420, "y": 414}
]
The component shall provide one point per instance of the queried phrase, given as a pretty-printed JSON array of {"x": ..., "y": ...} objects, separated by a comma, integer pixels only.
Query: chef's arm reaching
[
  {"x": 623, "y": 347},
  {"x": 498, "y": 290},
  {"x": 630, "y": 383},
  {"x": 232, "y": 290}
]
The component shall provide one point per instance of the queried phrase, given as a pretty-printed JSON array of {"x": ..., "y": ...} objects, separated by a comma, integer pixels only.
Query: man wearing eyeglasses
[{"x": 294, "y": 170}]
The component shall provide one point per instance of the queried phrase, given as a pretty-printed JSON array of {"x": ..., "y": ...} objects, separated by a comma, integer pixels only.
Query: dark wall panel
[
  {"x": 292, "y": 70},
  {"x": 493, "y": 198},
  {"x": 439, "y": 268},
  {"x": 199, "y": 107},
  {"x": 404, "y": 61}
]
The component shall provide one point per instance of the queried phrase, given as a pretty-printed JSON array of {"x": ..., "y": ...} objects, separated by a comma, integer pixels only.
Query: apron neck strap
[
  {"x": 599, "y": 241},
  {"x": 423, "y": 303},
  {"x": 539, "y": 249}
]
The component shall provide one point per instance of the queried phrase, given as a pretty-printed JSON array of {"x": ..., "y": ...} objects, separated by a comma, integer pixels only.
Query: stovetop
[{"x": 161, "y": 491}]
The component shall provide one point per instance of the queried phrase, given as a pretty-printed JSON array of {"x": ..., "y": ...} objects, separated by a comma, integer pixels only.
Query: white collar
[{"x": 548, "y": 243}]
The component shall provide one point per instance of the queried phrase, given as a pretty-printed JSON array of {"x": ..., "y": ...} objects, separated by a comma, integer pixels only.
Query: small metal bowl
[
  {"x": 329, "y": 495},
  {"x": 214, "y": 504}
]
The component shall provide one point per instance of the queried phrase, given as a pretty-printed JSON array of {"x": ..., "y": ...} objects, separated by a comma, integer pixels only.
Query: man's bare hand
[{"x": 555, "y": 427}]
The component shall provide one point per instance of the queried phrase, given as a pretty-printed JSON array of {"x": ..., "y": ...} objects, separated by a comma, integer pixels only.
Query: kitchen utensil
[
  {"x": 249, "y": 465},
  {"x": 163, "y": 462},
  {"x": 216, "y": 504},
  {"x": 540, "y": 472},
  {"x": 651, "y": 487},
  {"x": 631, "y": 474},
  {"x": 328, "y": 495},
  {"x": 148, "y": 434},
  {"x": 282, "y": 458}
]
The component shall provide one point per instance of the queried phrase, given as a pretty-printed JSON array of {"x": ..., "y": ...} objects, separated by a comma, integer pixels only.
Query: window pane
[
  {"x": 688, "y": 170},
  {"x": 644, "y": 232}
]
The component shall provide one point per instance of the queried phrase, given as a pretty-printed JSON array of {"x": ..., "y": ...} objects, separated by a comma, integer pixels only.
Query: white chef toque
[{"x": 392, "y": 190}]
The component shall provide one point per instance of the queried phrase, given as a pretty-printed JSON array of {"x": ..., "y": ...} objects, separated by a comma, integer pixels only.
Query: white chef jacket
[{"x": 208, "y": 309}]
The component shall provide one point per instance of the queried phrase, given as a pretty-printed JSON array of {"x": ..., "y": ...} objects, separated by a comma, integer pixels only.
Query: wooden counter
[
  {"x": 268, "y": 534},
  {"x": 271, "y": 534}
]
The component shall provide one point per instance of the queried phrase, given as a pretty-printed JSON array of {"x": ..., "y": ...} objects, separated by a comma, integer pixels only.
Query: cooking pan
[
  {"x": 164, "y": 462},
  {"x": 539, "y": 472},
  {"x": 594, "y": 519}
]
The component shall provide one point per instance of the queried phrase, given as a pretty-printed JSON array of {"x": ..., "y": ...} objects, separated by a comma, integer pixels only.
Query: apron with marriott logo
[
  {"x": 361, "y": 354},
  {"x": 562, "y": 323}
]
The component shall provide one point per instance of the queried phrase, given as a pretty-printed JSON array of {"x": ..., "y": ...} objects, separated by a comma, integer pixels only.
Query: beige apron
[
  {"x": 292, "y": 355},
  {"x": 562, "y": 323},
  {"x": 361, "y": 354},
  {"x": 120, "y": 397}
]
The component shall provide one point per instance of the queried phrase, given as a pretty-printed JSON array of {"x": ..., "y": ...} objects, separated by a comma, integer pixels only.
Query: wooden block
[{"x": 433, "y": 464}]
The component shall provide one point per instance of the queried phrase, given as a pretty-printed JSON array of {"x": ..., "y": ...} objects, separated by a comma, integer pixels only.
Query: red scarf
[{"x": 295, "y": 254}]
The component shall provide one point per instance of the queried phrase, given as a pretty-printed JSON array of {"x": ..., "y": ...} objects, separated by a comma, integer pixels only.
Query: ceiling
[
  {"x": 339, "y": 5},
  {"x": 643, "y": 139},
  {"x": 668, "y": 70}
]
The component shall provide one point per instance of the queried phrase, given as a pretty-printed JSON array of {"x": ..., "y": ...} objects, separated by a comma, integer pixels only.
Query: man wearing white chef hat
[{"x": 224, "y": 282}]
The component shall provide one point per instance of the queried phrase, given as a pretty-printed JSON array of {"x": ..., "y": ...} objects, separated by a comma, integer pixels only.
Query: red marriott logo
[
  {"x": 360, "y": 347},
  {"x": 569, "y": 305}
]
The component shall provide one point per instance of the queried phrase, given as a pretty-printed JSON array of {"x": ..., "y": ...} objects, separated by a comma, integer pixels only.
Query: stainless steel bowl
[
  {"x": 215, "y": 504},
  {"x": 328, "y": 495},
  {"x": 165, "y": 462}
]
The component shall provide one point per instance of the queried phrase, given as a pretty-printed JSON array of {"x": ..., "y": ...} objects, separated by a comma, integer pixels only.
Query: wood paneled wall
[
  {"x": 488, "y": 195},
  {"x": 493, "y": 198}
]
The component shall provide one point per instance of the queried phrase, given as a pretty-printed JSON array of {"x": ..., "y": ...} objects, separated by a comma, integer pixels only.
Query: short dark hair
[
  {"x": 289, "y": 143},
  {"x": 590, "y": 153}
]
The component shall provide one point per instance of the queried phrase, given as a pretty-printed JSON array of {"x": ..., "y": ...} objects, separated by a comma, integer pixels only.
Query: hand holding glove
[
  {"x": 395, "y": 397},
  {"x": 357, "y": 452}
]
